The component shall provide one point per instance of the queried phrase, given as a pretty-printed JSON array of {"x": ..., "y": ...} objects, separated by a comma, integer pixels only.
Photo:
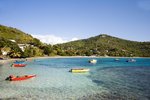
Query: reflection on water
[{"x": 107, "y": 80}]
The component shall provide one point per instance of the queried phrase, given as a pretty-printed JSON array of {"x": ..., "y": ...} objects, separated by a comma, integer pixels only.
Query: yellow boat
[{"x": 79, "y": 70}]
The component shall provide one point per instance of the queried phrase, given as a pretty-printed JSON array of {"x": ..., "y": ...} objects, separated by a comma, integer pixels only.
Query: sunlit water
[{"x": 107, "y": 80}]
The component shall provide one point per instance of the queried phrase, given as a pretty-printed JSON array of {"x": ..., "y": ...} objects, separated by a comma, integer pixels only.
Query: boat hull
[
  {"x": 20, "y": 78},
  {"x": 93, "y": 61},
  {"x": 19, "y": 65},
  {"x": 79, "y": 70},
  {"x": 131, "y": 60}
]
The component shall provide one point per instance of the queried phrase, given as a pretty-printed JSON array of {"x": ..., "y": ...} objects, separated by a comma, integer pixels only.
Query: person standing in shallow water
[{"x": 9, "y": 78}]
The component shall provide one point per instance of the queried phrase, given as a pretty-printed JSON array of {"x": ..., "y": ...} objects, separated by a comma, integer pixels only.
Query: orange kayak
[
  {"x": 19, "y": 65},
  {"x": 19, "y": 78}
]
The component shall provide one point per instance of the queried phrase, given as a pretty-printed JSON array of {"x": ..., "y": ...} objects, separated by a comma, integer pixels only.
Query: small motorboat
[
  {"x": 19, "y": 78},
  {"x": 93, "y": 61},
  {"x": 18, "y": 65},
  {"x": 116, "y": 59},
  {"x": 79, "y": 70},
  {"x": 131, "y": 60}
]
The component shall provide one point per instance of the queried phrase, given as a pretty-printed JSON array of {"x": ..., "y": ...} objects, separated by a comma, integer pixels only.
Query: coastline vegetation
[{"x": 102, "y": 45}]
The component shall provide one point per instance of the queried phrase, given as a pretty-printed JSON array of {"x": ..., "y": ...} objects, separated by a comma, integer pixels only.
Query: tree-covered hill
[
  {"x": 10, "y": 33},
  {"x": 10, "y": 38},
  {"x": 105, "y": 45},
  {"x": 101, "y": 45}
]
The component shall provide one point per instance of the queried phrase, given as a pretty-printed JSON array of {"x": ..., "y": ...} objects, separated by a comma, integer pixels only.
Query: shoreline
[
  {"x": 31, "y": 58},
  {"x": 81, "y": 57}
]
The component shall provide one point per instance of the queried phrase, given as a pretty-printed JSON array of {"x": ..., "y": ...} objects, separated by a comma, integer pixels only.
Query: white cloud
[
  {"x": 52, "y": 39},
  {"x": 74, "y": 39}
]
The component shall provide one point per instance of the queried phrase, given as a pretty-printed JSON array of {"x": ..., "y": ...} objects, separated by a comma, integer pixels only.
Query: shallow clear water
[{"x": 107, "y": 80}]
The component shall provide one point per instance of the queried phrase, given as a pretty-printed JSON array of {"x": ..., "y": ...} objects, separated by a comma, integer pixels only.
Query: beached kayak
[
  {"x": 19, "y": 78},
  {"x": 79, "y": 70}
]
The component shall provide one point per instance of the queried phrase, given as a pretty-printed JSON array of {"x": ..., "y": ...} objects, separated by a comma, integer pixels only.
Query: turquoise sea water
[{"x": 107, "y": 80}]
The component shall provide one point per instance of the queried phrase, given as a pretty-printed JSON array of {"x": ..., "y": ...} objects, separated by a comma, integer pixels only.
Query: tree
[
  {"x": 6, "y": 49},
  {"x": 47, "y": 49},
  {"x": 0, "y": 52},
  {"x": 88, "y": 53},
  {"x": 36, "y": 42},
  {"x": 14, "y": 54},
  {"x": 28, "y": 52},
  {"x": 32, "y": 52}
]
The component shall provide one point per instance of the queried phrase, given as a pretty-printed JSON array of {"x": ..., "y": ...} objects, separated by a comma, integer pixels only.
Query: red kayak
[
  {"x": 19, "y": 65},
  {"x": 19, "y": 78}
]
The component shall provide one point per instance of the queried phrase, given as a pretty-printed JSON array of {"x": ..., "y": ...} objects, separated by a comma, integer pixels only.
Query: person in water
[{"x": 10, "y": 77}]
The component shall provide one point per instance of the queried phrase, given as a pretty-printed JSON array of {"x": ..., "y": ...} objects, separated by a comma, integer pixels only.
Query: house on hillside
[
  {"x": 12, "y": 40},
  {"x": 4, "y": 53},
  {"x": 23, "y": 46},
  {"x": 5, "y": 50}
]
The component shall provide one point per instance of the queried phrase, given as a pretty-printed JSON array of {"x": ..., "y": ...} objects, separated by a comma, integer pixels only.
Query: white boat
[
  {"x": 93, "y": 61},
  {"x": 131, "y": 60},
  {"x": 116, "y": 59}
]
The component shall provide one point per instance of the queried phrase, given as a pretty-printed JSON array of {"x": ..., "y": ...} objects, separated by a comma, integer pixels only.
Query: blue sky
[{"x": 65, "y": 20}]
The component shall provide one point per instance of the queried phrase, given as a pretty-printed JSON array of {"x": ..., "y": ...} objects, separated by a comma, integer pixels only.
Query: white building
[
  {"x": 4, "y": 52},
  {"x": 23, "y": 46},
  {"x": 12, "y": 40}
]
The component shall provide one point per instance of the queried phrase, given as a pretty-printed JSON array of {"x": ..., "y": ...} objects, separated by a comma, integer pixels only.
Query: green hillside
[
  {"x": 15, "y": 34},
  {"x": 102, "y": 45},
  {"x": 105, "y": 45},
  {"x": 7, "y": 34}
]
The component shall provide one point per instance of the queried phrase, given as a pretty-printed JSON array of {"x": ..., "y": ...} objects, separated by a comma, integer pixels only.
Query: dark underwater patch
[
  {"x": 123, "y": 83},
  {"x": 98, "y": 82}
]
